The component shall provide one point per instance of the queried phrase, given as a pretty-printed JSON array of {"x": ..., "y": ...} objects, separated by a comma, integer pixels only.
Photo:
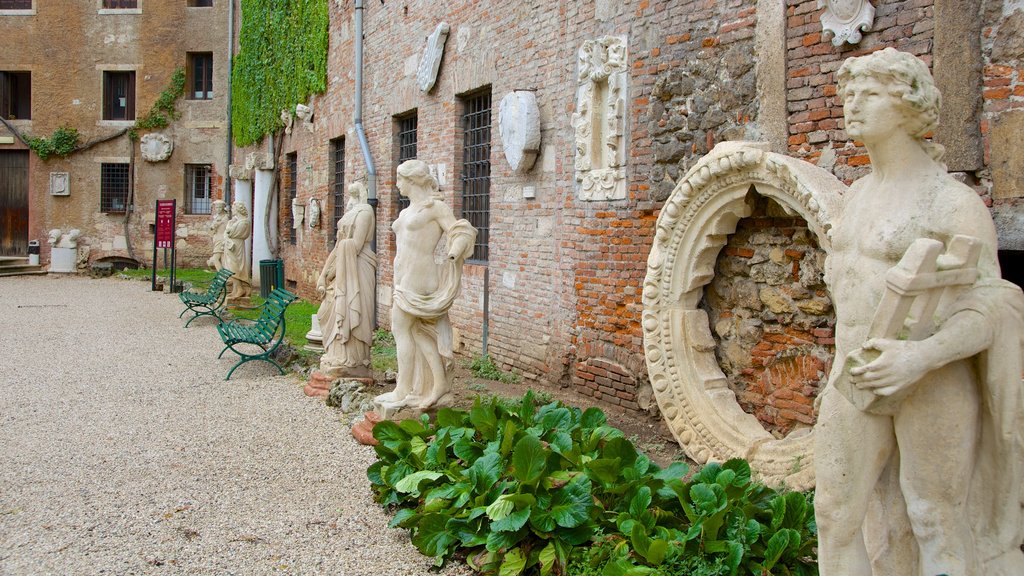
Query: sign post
[{"x": 164, "y": 237}]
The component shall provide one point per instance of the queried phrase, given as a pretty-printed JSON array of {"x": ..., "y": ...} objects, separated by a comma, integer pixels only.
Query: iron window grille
[
  {"x": 113, "y": 188},
  {"x": 293, "y": 188},
  {"x": 407, "y": 139},
  {"x": 119, "y": 95},
  {"x": 15, "y": 4},
  {"x": 200, "y": 72},
  {"x": 476, "y": 169},
  {"x": 120, "y": 4},
  {"x": 16, "y": 95},
  {"x": 197, "y": 192},
  {"x": 200, "y": 3},
  {"x": 337, "y": 186}
]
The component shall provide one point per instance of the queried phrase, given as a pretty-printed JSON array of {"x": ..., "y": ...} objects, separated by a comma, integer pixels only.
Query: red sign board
[{"x": 165, "y": 223}]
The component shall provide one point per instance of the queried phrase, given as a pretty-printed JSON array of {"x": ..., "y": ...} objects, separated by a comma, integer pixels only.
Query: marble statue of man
[
  {"x": 234, "y": 258},
  {"x": 346, "y": 285},
  {"x": 424, "y": 289},
  {"x": 932, "y": 484},
  {"x": 220, "y": 223}
]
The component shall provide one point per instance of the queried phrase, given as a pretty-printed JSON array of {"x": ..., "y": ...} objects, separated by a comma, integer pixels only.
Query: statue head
[
  {"x": 357, "y": 193},
  {"x": 239, "y": 209},
  {"x": 416, "y": 174},
  {"x": 907, "y": 79},
  {"x": 52, "y": 236},
  {"x": 218, "y": 207}
]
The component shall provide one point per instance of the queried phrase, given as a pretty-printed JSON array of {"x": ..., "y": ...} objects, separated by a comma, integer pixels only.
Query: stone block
[{"x": 1007, "y": 161}]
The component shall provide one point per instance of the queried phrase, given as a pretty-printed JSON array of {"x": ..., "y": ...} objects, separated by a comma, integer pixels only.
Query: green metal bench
[
  {"x": 265, "y": 333},
  {"x": 207, "y": 303}
]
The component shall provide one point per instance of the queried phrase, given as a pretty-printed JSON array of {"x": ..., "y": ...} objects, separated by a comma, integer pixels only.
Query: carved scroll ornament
[{"x": 599, "y": 121}]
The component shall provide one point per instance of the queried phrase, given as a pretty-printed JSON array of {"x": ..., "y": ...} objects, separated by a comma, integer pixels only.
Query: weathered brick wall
[{"x": 772, "y": 317}]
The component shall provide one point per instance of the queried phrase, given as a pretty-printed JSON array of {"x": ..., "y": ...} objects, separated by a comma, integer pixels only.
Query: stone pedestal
[
  {"x": 319, "y": 385},
  {"x": 363, "y": 430},
  {"x": 63, "y": 260},
  {"x": 315, "y": 338}
]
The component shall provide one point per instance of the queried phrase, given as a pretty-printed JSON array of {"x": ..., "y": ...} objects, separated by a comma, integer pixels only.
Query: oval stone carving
[
  {"x": 155, "y": 147},
  {"x": 519, "y": 126},
  {"x": 430, "y": 62},
  {"x": 691, "y": 389}
]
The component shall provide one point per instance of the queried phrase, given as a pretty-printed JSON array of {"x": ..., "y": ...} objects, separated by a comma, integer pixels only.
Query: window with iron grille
[
  {"x": 15, "y": 4},
  {"x": 16, "y": 95},
  {"x": 197, "y": 188},
  {"x": 293, "y": 179},
  {"x": 337, "y": 186},
  {"x": 120, "y": 4},
  {"x": 119, "y": 95},
  {"x": 113, "y": 188},
  {"x": 200, "y": 3},
  {"x": 476, "y": 169},
  {"x": 406, "y": 136},
  {"x": 200, "y": 75}
]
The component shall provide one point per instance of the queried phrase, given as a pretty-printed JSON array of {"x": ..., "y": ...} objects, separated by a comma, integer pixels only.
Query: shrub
[{"x": 555, "y": 490}]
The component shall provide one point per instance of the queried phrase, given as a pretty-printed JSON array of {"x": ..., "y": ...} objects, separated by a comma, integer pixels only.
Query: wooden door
[{"x": 13, "y": 202}]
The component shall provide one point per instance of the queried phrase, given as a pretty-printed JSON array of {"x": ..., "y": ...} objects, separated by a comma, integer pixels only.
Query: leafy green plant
[
  {"x": 163, "y": 110},
  {"x": 62, "y": 142},
  {"x": 522, "y": 489},
  {"x": 484, "y": 367},
  {"x": 383, "y": 353},
  {"x": 282, "y": 60}
]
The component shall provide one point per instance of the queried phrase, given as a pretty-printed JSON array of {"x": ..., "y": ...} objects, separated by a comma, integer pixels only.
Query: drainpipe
[
  {"x": 231, "y": 63},
  {"x": 364, "y": 146}
]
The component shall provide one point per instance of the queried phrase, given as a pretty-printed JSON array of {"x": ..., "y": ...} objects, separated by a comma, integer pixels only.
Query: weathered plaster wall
[{"x": 67, "y": 46}]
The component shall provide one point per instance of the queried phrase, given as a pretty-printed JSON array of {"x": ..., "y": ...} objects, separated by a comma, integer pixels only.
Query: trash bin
[
  {"x": 33, "y": 252},
  {"x": 271, "y": 275}
]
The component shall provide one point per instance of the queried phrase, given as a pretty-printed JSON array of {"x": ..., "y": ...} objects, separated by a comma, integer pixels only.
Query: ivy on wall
[
  {"x": 163, "y": 110},
  {"x": 282, "y": 60}
]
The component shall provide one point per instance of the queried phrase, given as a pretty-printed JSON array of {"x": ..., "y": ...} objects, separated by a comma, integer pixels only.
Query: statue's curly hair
[{"x": 909, "y": 80}]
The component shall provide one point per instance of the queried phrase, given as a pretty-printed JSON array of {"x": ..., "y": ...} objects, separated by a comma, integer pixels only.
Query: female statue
[
  {"x": 346, "y": 285},
  {"x": 220, "y": 223},
  {"x": 424, "y": 290},
  {"x": 236, "y": 232}
]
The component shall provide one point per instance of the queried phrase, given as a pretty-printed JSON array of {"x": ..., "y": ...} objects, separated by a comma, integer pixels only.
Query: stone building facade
[
  {"x": 97, "y": 66},
  {"x": 558, "y": 297}
]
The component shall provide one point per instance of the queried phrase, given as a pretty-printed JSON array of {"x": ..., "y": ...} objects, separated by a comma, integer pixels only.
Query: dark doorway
[
  {"x": 1011, "y": 262},
  {"x": 13, "y": 202}
]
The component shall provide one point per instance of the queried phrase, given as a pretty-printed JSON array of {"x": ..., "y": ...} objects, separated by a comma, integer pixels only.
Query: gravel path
[{"x": 123, "y": 451}]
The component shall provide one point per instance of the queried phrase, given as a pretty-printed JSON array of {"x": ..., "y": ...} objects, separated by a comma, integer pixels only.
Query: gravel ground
[{"x": 123, "y": 451}]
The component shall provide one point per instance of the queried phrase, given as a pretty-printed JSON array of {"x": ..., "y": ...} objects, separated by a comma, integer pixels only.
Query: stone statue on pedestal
[
  {"x": 220, "y": 223},
  {"x": 424, "y": 290},
  {"x": 346, "y": 285},
  {"x": 234, "y": 258},
  {"x": 918, "y": 446}
]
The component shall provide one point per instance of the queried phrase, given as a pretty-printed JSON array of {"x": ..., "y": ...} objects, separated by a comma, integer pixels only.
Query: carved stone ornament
[
  {"x": 600, "y": 120},
  {"x": 259, "y": 161},
  {"x": 240, "y": 172},
  {"x": 430, "y": 62},
  {"x": 519, "y": 126},
  {"x": 287, "y": 119},
  {"x": 305, "y": 113},
  {"x": 155, "y": 147},
  {"x": 844, "y": 20},
  {"x": 692, "y": 392},
  {"x": 314, "y": 212},
  {"x": 60, "y": 184}
]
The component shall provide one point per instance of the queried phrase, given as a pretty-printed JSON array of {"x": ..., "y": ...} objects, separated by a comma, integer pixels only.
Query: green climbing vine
[
  {"x": 62, "y": 142},
  {"x": 282, "y": 60},
  {"x": 163, "y": 110}
]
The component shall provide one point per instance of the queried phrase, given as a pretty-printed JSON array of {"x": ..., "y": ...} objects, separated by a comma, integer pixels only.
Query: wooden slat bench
[
  {"x": 265, "y": 333},
  {"x": 207, "y": 303}
]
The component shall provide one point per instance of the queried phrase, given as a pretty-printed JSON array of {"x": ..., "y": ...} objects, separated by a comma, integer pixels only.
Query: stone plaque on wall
[
  {"x": 519, "y": 126},
  {"x": 156, "y": 147},
  {"x": 845, "y": 20},
  {"x": 60, "y": 184},
  {"x": 426, "y": 75},
  {"x": 600, "y": 119}
]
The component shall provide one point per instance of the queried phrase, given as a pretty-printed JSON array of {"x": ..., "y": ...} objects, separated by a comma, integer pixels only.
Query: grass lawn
[
  {"x": 200, "y": 278},
  {"x": 297, "y": 318}
]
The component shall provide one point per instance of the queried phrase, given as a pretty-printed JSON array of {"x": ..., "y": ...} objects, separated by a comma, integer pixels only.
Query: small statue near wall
[
  {"x": 217, "y": 228},
  {"x": 347, "y": 286},
  {"x": 234, "y": 258},
  {"x": 919, "y": 450},
  {"x": 424, "y": 290}
]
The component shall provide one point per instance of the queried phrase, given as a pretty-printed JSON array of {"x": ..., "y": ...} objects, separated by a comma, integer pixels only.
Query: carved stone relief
[
  {"x": 305, "y": 113},
  {"x": 60, "y": 184},
  {"x": 599, "y": 120},
  {"x": 519, "y": 126},
  {"x": 155, "y": 147},
  {"x": 844, "y": 20},
  {"x": 426, "y": 75},
  {"x": 692, "y": 392},
  {"x": 239, "y": 172}
]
